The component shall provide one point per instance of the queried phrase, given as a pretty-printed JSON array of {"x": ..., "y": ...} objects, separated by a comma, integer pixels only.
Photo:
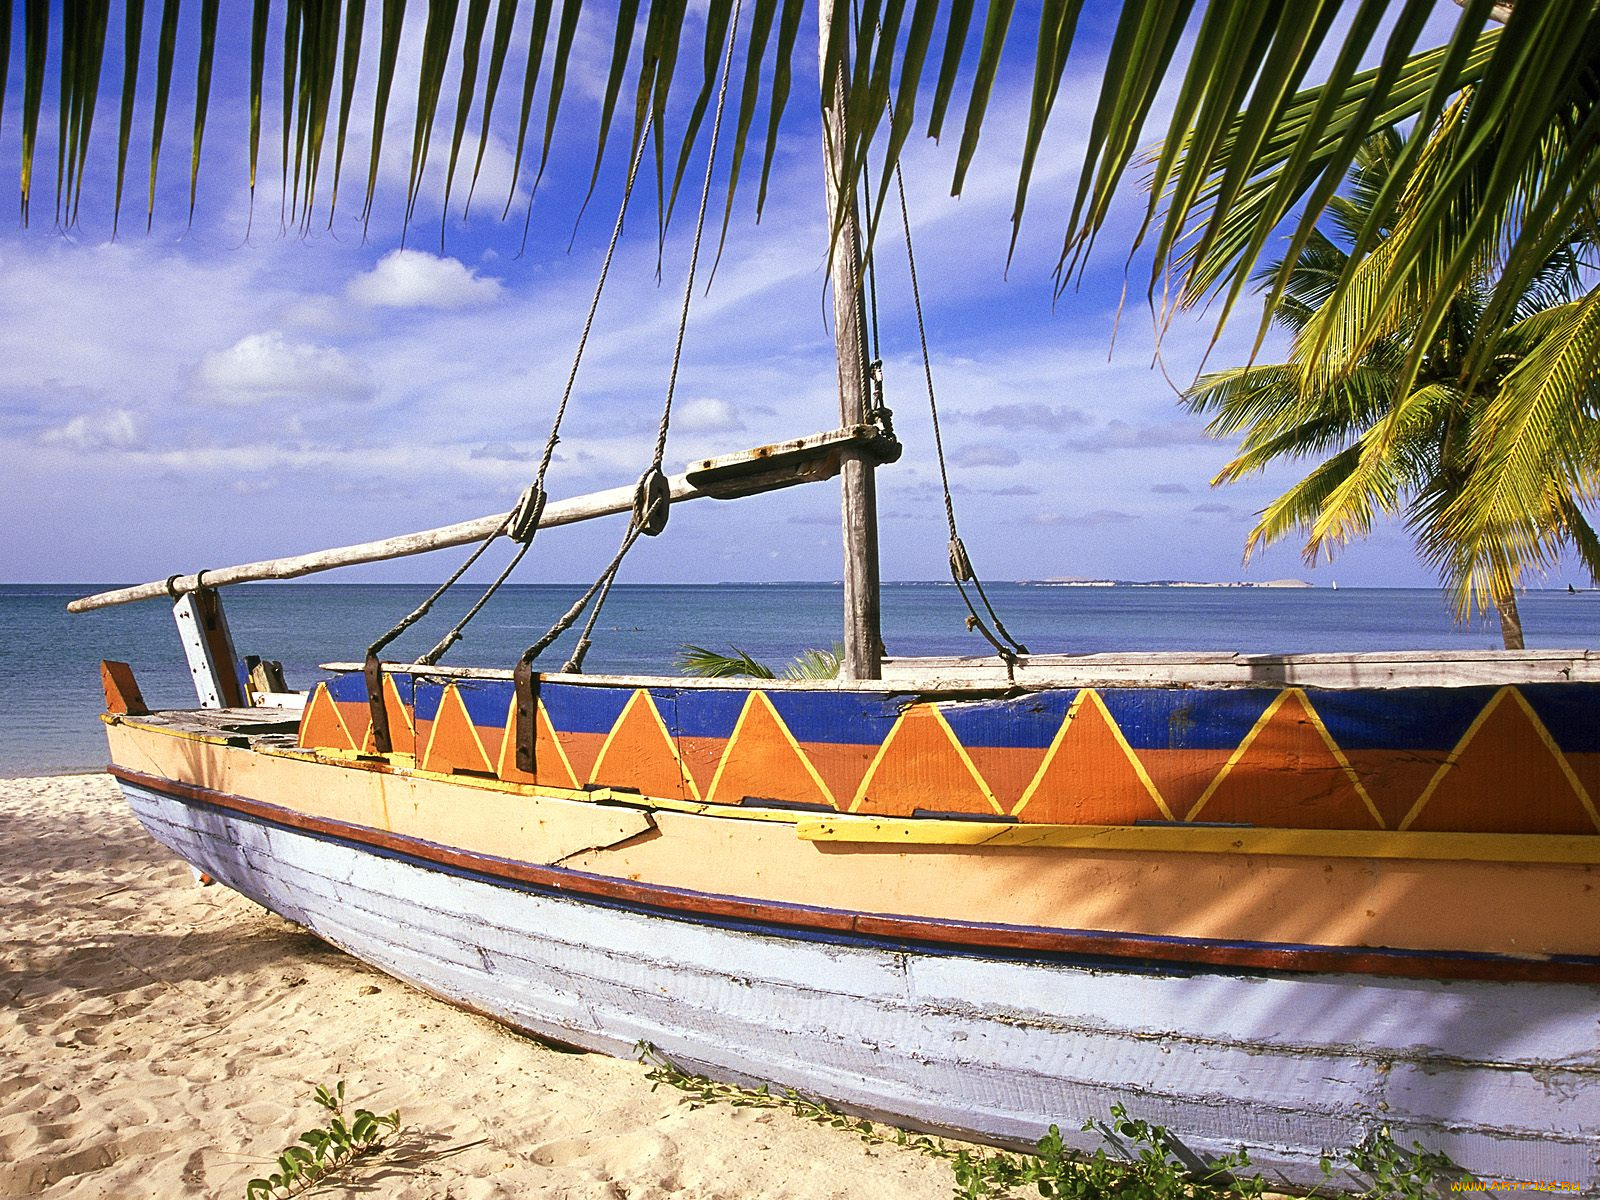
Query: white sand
[{"x": 160, "y": 1040}]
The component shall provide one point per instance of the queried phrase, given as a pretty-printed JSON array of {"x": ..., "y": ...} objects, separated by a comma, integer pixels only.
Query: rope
[
  {"x": 651, "y": 503},
  {"x": 699, "y": 232},
  {"x": 525, "y": 519},
  {"x": 1006, "y": 646},
  {"x": 877, "y": 411}
]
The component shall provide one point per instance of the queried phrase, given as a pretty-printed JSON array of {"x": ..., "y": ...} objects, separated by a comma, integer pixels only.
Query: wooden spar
[
  {"x": 557, "y": 512},
  {"x": 863, "y": 640},
  {"x": 761, "y": 469}
]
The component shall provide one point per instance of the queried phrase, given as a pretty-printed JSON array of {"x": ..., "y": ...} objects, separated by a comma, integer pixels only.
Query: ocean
[{"x": 50, "y": 682}]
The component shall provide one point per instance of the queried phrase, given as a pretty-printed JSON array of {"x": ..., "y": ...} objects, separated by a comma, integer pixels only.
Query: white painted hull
[{"x": 1499, "y": 1075}]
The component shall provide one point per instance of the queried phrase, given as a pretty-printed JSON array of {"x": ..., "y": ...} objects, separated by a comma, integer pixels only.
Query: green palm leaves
[
  {"x": 1245, "y": 144},
  {"x": 1483, "y": 433}
]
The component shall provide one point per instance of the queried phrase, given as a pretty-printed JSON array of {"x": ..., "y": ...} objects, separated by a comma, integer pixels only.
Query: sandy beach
[{"x": 160, "y": 1039}]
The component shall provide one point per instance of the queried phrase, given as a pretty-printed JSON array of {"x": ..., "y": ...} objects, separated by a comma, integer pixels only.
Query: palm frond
[
  {"x": 816, "y": 663},
  {"x": 1257, "y": 138},
  {"x": 714, "y": 664}
]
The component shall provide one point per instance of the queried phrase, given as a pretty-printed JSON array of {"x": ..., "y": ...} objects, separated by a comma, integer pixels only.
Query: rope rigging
[
  {"x": 522, "y": 523},
  {"x": 651, "y": 499},
  {"x": 961, "y": 569},
  {"x": 652, "y": 493}
]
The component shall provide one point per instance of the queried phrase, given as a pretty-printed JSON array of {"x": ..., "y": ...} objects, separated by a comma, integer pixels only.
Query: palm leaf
[
  {"x": 355, "y": 20},
  {"x": 471, "y": 51},
  {"x": 1242, "y": 146},
  {"x": 504, "y": 22},
  {"x": 714, "y": 664},
  {"x": 132, "y": 35}
]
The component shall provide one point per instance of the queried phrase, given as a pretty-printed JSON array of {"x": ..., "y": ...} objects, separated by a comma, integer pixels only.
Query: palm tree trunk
[{"x": 1510, "y": 621}]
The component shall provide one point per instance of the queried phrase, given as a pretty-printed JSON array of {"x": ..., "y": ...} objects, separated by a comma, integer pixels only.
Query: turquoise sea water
[{"x": 50, "y": 685}]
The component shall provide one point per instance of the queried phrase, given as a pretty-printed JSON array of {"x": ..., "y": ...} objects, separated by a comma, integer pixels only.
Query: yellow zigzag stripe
[
  {"x": 733, "y": 738},
  {"x": 961, "y": 752},
  {"x": 1090, "y": 694},
  {"x": 1478, "y": 722},
  {"x": 672, "y": 743},
  {"x": 1261, "y": 723}
]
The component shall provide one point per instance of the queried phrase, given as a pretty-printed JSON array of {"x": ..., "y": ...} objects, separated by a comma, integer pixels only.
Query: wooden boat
[
  {"x": 1268, "y": 902},
  {"x": 1275, "y": 902}
]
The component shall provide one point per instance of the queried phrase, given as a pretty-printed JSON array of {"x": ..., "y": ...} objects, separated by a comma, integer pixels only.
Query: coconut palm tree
[{"x": 1419, "y": 440}]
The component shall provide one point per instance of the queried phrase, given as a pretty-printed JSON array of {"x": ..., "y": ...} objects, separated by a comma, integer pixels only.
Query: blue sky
[{"x": 195, "y": 397}]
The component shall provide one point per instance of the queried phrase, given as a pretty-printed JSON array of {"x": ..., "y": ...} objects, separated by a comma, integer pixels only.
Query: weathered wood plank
[
  {"x": 611, "y": 501},
  {"x": 863, "y": 641}
]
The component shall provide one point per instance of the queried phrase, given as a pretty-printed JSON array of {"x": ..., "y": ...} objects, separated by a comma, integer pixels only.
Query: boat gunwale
[{"x": 984, "y": 675}]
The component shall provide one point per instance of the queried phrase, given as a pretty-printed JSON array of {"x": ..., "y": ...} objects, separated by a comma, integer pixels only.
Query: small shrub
[
  {"x": 1395, "y": 1173},
  {"x": 1154, "y": 1172},
  {"x": 325, "y": 1150}
]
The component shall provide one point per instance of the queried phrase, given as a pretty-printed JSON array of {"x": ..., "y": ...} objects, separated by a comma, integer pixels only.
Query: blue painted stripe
[
  {"x": 351, "y": 686},
  {"x": 1431, "y": 718},
  {"x": 1028, "y": 722},
  {"x": 1184, "y": 718},
  {"x": 1570, "y": 711},
  {"x": 583, "y": 708},
  {"x": 705, "y": 712},
  {"x": 1401, "y": 719},
  {"x": 487, "y": 700},
  {"x": 839, "y": 718}
]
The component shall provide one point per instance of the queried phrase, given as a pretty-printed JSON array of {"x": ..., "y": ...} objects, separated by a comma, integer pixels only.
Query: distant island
[{"x": 1074, "y": 581}]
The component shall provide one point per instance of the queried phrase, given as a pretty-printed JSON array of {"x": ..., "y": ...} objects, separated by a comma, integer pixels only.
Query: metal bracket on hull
[{"x": 526, "y": 728}]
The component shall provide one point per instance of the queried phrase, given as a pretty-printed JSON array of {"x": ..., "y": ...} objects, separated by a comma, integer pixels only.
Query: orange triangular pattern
[
  {"x": 762, "y": 760},
  {"x": 321, "y": 726},
  {"x": 1395, "y": 778},
  {"x": 639, "y": 754},
  {"x": 453, "y": 741},
  {"x": 842, "y": 765},
  {"x": 1288, "y": 776},
  {"x": 1587, "y": 768},
  {"x": 357, "y": 718},
  {"x": 1506, "y": 776},
  {"x": 1181, "y": 777},
  {"x": 1008, "y": 770},
  {"x": 1088, "y": 776},
  {"x": 921, "y": 765},
  {"x": 700, "y": 757},
  {"x": 549, "y": 760}
]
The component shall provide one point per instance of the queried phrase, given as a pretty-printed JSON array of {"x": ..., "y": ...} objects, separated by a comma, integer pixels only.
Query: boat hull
[{"x": 975, "y": 1039}]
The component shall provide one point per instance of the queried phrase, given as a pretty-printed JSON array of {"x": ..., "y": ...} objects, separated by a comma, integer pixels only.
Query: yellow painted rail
[{"x": 1580, "y": 849}]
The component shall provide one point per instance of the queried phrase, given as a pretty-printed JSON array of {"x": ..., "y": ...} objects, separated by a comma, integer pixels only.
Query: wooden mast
[{"x": 863, "y": 640}]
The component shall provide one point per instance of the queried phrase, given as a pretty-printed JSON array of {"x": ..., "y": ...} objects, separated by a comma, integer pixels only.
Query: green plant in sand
[
  {"x": 328, "y": 1149},
  {"x": 1392, "y": 1171},
  {"x": 1145, "y": 1163}
]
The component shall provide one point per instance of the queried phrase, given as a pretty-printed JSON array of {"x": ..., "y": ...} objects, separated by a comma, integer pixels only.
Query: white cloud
[
  {"x": 706, "y": 415},
  {"x": 111, "y": 430},
  {"x": 265, "y": 366},
  {"x": 985, "y": 456},
  {"x": 417, "y": 279}
]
